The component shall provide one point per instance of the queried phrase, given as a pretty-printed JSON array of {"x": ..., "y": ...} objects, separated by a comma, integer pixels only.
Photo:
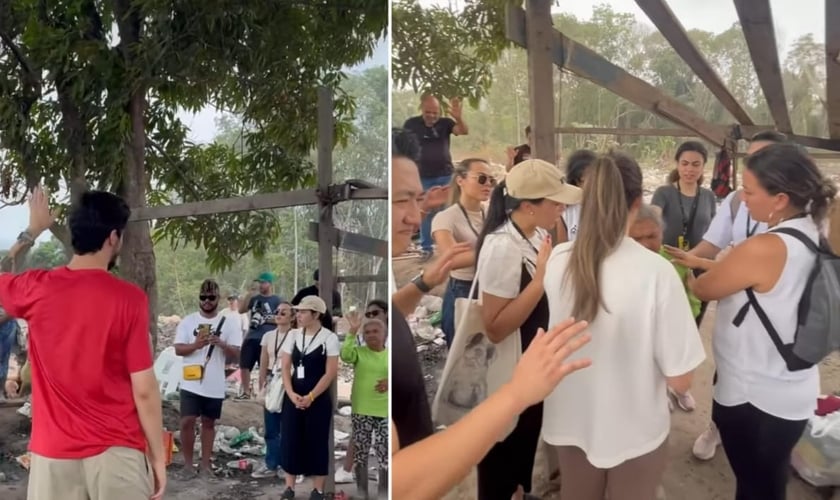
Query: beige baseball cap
[
  {"x": 312, "y": 303},
  {"x": 535, "y": 179}
]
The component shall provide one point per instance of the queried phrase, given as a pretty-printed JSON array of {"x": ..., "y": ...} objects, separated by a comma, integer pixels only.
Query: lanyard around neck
[
  {"x": 467, "y": 217},
  {"x": 307, "y": 346}
]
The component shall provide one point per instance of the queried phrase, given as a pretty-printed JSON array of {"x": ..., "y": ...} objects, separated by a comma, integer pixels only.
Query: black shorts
[
  {"x": 249, "y": 354},
  {"x": 193, "y": 405}
]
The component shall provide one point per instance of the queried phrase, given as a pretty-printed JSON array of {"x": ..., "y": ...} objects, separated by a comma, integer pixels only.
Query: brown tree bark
[{"x": 137, "y": 259}]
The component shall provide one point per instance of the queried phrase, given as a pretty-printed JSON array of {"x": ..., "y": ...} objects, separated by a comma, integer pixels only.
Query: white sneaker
[
  {"x": 707, "y": 443},
  {"x": 343, "y": 477},
  {"x": 263, "y": 472}
]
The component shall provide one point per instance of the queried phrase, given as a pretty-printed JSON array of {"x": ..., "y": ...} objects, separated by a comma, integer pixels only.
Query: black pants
[
  {"x": 510, "y": 463},
  {"x": 758, "y": 446}
]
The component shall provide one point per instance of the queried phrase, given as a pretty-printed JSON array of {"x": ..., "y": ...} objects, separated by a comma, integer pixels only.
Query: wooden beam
[
  {"x": 586, "y": 63},
  {"x": 673, "y": 31},
  {"x": 541, "y": 78},
  {"x": 638, "y": 132},
  {"x": 227, "y": 205},
  {"x": 825, "y": 155},
  {"x": 363, "y": 278},
  {"x": 264, "y": 201},
  {"x": 748, "y": 131},
  {"x": 832, "y": 63},
  {"x": 352, "y": 242},
  {"x": 326, "y": 141},
  {"x": 756, "y": 19}
]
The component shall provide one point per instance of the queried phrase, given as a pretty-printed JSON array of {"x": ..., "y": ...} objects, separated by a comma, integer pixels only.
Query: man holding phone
[
  {"x": 262, "y": 304},
  {"x": 204, "y": 339}
]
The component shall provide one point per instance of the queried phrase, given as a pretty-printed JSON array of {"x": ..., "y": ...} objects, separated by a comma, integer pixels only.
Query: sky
[{"x": 202, "y": 126}]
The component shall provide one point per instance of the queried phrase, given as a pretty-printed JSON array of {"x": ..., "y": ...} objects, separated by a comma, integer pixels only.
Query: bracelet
[{"x": 311, "y": 398}]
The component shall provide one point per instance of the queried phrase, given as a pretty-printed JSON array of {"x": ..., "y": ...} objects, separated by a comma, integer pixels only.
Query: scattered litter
[
  {"x": 340, "y": 436},
  {"x": 345, "y": 411},
  {"x": 243, "y": 464},
  {"x": 26, "y": 410},
  {"x": 23, "y": 460}
]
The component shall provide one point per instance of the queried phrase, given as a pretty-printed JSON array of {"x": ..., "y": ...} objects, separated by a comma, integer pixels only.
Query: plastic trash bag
[{"x": 816, "y": 457}]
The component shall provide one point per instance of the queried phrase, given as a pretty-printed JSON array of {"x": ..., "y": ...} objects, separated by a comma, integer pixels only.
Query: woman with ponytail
[
  {"x": 610, "y": 423},
  {"x": 760, "y": 407},
  {"x": 512, "y": 251},
  {"x": 472, "y": 182}
]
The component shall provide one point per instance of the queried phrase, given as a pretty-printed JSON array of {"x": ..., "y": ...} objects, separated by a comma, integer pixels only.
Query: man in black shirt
[
  {"x": 435, "y": 160},
  {"x": 314, "y": 290}
]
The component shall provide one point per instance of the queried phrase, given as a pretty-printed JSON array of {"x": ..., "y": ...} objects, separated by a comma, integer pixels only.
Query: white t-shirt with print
[
  {"x": 499, "y": 269},
  {"x": 617, "y": 409},
  {"x": 322, "y": 339},
  {"x": 273, "y": 343},
  {"x": 213, "y": 384},
  {"x": 237, "y": 317}
]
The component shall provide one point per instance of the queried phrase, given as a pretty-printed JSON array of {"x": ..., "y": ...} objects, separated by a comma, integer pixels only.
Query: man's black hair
[
  {"x": 404, "y": 144},
  {"x": 769, "y": 136},
  {"x": 94, "y": 218}
]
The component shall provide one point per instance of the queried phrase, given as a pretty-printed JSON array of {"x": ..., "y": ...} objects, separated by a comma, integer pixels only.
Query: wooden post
[
  {"x": 540, "y": 39},
  {"x": 326, "y": 140}
]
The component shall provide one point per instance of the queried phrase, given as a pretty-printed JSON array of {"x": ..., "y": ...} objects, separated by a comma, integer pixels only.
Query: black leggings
[
  {"x": 510, "y": 463},
  {"x": 758, "y": 446}
]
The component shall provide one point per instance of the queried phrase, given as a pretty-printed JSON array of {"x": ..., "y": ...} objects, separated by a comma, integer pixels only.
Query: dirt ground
[
  {"x": 14, "y": 437},
  {"x": 686, "y": 477}
]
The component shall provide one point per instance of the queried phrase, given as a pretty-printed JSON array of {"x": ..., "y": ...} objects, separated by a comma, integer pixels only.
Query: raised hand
[{"x": 40, "y": 217}]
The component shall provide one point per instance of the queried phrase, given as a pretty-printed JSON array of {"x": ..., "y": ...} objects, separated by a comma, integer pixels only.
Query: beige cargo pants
[{"x": 117, "y": 473}]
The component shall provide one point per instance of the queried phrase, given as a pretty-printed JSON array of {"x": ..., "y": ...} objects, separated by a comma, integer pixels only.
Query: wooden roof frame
[{"x": 531, "y": 28}]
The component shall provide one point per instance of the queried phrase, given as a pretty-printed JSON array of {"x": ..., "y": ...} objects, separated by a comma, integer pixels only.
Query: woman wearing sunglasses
[
  {"x": 462, "y": 222},
  {"x": 272, "y": 343}
]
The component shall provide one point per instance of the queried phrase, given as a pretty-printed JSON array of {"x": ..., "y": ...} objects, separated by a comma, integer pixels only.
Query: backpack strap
[{"x": 792, "y": 361}]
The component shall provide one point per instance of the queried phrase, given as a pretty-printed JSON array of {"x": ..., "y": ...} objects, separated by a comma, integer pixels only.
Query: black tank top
[{"x": 410, "y": 408}]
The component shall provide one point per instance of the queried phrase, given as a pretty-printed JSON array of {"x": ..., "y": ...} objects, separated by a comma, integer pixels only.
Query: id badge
[
  {"x": 300, "y": 372},
  {"x": 192, "y": 372},
  {"x": 682, "y": 243}
]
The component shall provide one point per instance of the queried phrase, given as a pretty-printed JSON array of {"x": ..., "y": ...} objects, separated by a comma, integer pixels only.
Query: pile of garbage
[
  {"x": 167, "y": 326},
  {"x": 431, "y": 344}
]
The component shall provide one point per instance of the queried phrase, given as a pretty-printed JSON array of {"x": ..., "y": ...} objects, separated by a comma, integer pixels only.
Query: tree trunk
[{"x": 137, "y": 259}]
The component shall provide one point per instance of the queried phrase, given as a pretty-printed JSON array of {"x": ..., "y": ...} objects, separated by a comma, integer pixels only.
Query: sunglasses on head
[
  {"x": 373, "y": 314},
  {"x": 207, "y": 298}
]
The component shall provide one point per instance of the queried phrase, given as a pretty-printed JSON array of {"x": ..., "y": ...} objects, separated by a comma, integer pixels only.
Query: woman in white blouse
[
  {"x": 512, "y": 251},
  {"x": 610, "y": 423},
  {"x": 760, "y": 406}
]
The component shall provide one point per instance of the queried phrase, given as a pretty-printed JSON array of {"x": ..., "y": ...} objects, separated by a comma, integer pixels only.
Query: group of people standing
[
  {"x": 640, "y": 276},
  {"x": 294, "y": 343}
]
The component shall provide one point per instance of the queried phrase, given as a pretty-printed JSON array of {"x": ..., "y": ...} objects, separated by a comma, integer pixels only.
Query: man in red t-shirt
[{"x": 95, "y": 399}]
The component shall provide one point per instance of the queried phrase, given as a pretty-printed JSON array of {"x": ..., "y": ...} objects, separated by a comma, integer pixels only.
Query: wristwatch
[
  {"x": 25, "y": 237},
  {"x": 420, "y": 284}
]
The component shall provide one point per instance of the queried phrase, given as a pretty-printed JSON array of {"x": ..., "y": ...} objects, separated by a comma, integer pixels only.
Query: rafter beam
[
  {"x": 747, "y": 131},
  {"x": 756, "y": 19},
  {"x": 635, "y": 132},
  {"x": 832, "y": 64},
  {"x": 266, "y": 201},
  {"x": 673, "y": 31},
  {"x": 586, "y": 63}
]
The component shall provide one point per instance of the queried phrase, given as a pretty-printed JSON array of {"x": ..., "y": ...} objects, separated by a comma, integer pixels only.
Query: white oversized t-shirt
[
  {"x": 213, "y": 384},
  {"x": 617, "y": 409}
]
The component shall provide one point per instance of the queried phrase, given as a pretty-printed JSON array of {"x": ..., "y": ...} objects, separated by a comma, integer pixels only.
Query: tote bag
[{"x": 475, "y": 367}]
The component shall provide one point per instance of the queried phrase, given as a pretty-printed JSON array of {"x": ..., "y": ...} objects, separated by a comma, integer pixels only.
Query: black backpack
[{"x": 818, "y": 318}]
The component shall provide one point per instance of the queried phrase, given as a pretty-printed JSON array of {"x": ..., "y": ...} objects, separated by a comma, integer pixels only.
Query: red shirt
[{"x": 88, "y": 331}]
